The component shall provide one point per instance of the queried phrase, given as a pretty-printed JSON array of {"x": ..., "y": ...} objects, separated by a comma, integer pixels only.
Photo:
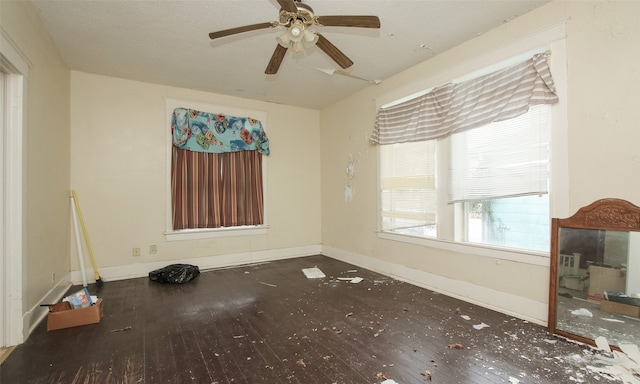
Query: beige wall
[
  {"x": 46, "y": 153},
  {"x": 118, "y": 168},
  {"x": 603, "y": 59}
]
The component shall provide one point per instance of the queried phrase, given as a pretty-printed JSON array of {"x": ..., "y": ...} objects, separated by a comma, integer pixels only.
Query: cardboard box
[
  {"x": 62, "y": 316},
  {"x": 623, "y": 309},
  {"x": 605, "y": 279}
]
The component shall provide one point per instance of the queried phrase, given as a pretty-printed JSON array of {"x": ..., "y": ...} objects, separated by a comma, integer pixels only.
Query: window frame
[
  {"x": 208, "y": 233},
  {"x": 451, "y": 224}
]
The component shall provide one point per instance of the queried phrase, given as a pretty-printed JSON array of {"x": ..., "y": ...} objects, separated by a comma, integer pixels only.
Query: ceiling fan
[{"x": 297, "y": 17}]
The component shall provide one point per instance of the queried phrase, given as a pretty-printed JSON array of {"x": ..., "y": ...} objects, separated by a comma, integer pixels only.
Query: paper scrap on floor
[
  {"x": 352, "y": 280},
  {"x": 313, "y": 273},
  {"x": 480, "y": 326}
]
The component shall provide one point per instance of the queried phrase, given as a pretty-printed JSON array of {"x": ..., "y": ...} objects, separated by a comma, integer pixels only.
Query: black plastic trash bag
[{"x": 175, "y": 273}]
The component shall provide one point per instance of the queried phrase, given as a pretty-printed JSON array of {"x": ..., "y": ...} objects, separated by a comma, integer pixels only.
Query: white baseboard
[
  {"x": 512, "y": 305},
  {"x": 37, "y": 313},
  {"x": 131, "y": 271}
]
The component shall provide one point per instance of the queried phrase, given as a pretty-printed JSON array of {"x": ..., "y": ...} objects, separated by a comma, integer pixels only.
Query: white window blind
[
  {"x": 408, "y": 185},
  {"x": 502, "y": 159}
]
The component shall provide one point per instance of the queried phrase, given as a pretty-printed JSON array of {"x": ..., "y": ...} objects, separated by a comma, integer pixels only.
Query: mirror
[{"x": 594, "y": 288}]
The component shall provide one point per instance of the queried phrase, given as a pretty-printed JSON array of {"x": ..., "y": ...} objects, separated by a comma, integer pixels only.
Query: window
[
  {"x": 408, "y": 188},
  {"x": 497, "y": 174},
  {"x": 215, "y": 169},
  {"x": 474, "y": 172},
  {"x": 216, "y": 190},
  {"x": 500, "y": 173}
]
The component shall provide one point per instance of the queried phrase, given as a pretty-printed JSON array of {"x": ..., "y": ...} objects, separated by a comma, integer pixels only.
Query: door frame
[{"x": 15, "y": 65}]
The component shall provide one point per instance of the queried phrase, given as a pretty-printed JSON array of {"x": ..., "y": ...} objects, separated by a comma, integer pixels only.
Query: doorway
[
  {"x": 3, "y": 91},
  {"x": 14, "y": 69}
]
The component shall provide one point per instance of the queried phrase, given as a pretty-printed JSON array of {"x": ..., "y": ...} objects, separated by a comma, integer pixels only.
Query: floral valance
[{"x": 217, "y": 133}]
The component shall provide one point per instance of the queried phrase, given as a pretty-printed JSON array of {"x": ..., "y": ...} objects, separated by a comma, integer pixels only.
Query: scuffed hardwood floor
[{"x": 268, "y": 323}]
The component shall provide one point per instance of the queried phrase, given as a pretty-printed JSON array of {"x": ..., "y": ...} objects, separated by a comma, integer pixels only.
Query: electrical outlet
[
  {"x": 153, "y": 249},
  {"x": 53, "y": 277},
  {"x": 136, "y": 252}
]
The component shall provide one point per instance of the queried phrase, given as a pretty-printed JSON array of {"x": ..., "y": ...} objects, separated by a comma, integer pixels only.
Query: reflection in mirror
[
  {"x": 595, "y": 287},
  {"x": 595, "y": 274}
]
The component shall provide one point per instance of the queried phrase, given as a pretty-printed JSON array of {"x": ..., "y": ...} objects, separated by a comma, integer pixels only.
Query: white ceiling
[{"x": 166, "y": 42}]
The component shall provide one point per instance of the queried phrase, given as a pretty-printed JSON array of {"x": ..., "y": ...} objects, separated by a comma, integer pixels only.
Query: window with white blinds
[
  {"x": 490, "y": 183},
  {"x": 503, "y": 159},
  {"x": 408, "y": 188}
]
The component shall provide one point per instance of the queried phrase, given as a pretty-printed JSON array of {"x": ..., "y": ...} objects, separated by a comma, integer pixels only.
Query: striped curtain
[
  {"x": 214, "y": 190},
  {"x": 451, "y": 108}
]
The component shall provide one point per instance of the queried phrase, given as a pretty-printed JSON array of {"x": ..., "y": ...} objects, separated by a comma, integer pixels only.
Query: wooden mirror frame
[{"x": 604, "y": 214}]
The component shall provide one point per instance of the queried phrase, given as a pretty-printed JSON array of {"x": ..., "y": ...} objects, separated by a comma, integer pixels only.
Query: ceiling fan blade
[
  {"x": 276, "y": 60},
  {"x": 333, "y": 52},
  {"x": 246, "y": 28},
  {"x": 350, "y": 21},
  {"x": 288, "y": 5}
]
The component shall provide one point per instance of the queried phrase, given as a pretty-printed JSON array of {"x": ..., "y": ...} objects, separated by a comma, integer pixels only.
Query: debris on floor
[
  {"x": 582, "y": 312},
  {"x": 381, "y": 376},
  {"x": 602, "y": 344},
  {"x": 480, "y": 326},
  {"x": 625, "y": 364},
  {"x": 612, "y": 320},
  {"x": 313, "y": 273},
  {"x": 352, "y": 280}
]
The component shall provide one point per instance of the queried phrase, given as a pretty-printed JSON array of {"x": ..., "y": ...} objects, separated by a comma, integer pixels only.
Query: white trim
[
  {"x": 37, "y": 313},
  {"x": 14, "y": 62},
  {"x": 512, "y": 305},
  {"x": 204, "y": 263},
  {"x": 197, "y": 234},
  {"x": 170, "y": 234},
  {"x": 515, "y": 255},
  {"x": 3, "y": 206},
  {"x": 559, "y": 158},
  {"x": 12, "y": 55}
]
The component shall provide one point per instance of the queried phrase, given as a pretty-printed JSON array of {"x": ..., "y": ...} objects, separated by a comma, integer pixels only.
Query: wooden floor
[{"x": 268, "y": 323}]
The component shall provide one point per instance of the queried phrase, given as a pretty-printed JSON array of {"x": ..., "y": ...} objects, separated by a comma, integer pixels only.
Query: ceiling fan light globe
[
  {"x": 309, "y": 38},
  {"x": 296, "y": 39},
  {"x": 284, "y": 39}
]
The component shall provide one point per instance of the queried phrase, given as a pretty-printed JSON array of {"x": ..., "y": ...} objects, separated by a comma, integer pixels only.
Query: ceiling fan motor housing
[{"x": 304, "y": 15}]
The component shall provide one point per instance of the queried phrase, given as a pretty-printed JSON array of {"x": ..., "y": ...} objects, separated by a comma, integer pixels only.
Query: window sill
[
  {"x": 515, "y": 255},
  {"x": 209, "y": 233}
]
